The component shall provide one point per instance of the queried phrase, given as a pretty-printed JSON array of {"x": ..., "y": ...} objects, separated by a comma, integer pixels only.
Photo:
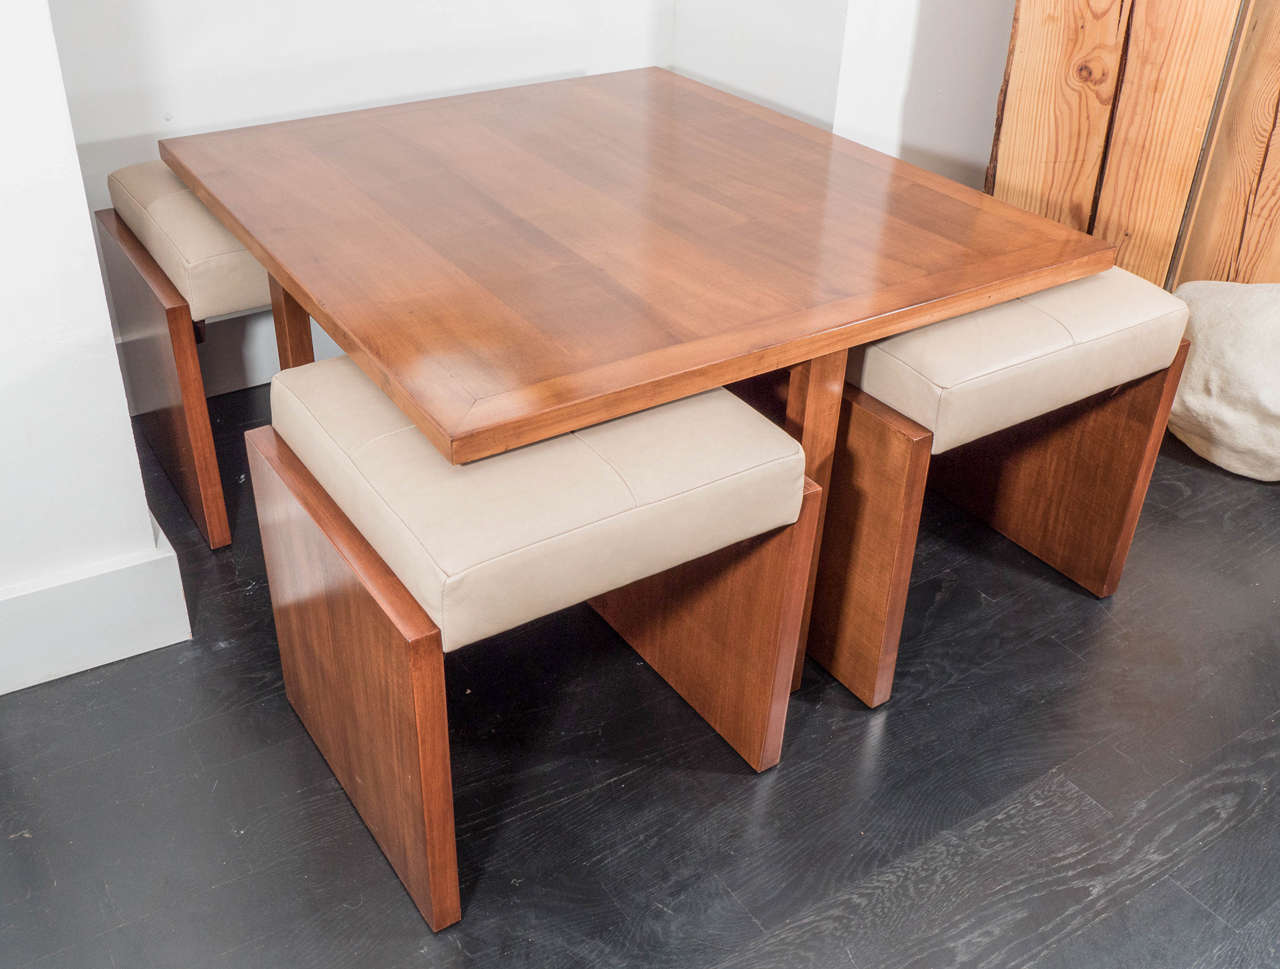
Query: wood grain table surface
[{"x": 514, "y": 264}]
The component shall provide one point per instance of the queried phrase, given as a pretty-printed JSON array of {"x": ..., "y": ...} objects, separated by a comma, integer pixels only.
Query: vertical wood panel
[
  {"x": 364, "y": 669},
  {"x": 1068, "y": 486},
  {"x": 723, "y": 630},
  {"x": 1234, "y": 230},
  {"x": 881, "y": 465},
  {"x": 156, "y": 345},
  {"x": 1051, "y": 132},
  {"x": 1173, "y": 68}
]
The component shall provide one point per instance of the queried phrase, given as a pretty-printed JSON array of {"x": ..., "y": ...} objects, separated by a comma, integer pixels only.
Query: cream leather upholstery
[
  {"x": 486, "y": 546},
  {"x": 982, "y": 372},
  {"x": 208, "y": 265}
]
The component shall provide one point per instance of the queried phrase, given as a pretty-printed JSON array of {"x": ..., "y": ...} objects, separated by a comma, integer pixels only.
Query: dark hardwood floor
[{"x": 1057, "y": 782}]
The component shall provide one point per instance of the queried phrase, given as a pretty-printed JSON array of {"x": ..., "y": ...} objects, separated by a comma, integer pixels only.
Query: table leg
[
  {"x": 814, "y": 393},
  {"x": 293, "y": 328}
]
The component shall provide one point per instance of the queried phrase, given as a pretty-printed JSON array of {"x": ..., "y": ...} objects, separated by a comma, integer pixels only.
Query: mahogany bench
[
  {"x": 1043, "y": 416},
  {"x": 689, "y": 527},
  {"x": 171, "y": 266}
]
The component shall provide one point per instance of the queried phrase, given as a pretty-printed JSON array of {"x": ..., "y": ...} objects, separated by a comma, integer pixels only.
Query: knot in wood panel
[{"x": 1093, "y": 72}]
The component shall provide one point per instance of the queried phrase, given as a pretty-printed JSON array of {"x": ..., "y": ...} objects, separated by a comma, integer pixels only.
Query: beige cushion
[
  {"x": 982, "y": 372},
  {"x": 1228, "y": 404},
  {"x": 489, "y": 545},
  {"x": 210, "y": 267}
]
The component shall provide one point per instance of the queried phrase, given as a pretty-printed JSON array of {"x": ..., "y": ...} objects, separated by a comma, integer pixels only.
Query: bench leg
[
  {"x": 873, "y": 513},
  {"x": 156, "y": 342},
  {"x": 364, "y": 669},
  {"x": 1069, "y": 486},
  {"x": 723, "y": 630}
]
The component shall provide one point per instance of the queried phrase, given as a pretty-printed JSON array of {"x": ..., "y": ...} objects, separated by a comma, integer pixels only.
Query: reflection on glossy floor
[{"x": 1057, "y": 782}]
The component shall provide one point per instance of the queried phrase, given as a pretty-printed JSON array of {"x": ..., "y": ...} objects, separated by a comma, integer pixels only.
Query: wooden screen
[{"x": 1148, "y": 123}]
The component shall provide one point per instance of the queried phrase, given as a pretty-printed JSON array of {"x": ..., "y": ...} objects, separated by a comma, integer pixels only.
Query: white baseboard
[{"x": 129, "y": 606}]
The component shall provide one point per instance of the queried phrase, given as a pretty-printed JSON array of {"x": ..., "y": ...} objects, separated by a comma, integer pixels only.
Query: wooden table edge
[{"x": 486, "y": 431}]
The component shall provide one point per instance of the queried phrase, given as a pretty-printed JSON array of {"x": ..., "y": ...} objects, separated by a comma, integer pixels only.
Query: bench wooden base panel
[
  {"x": 364, "y": 669},
  {"x": 156, "y": 342},
  {"x": 724, "y": 630},
  {"x": 1067, "y": 486}
]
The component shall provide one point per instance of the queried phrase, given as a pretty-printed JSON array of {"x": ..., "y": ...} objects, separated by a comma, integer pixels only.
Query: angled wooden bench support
[
  {"x": 873, "y": 514},
  {"x": 157, "y": 345},
  {"x": 723, "y": 630},
  {"x": 1067, "y": 486}
]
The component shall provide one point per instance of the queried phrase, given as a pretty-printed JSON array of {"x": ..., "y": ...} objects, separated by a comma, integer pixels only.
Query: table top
[{"x": 513, "y": 264}]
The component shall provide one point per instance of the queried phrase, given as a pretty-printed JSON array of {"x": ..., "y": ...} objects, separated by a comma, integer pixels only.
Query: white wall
[
  {"x": 71, "y": 503},
  {"x": 783, "y": 53},
  {"x": 920, "y": 80},
  {"x": 876, "y": 63},
  {"x": 915, "y": 78},
  {"x": 138, "y": 70}
]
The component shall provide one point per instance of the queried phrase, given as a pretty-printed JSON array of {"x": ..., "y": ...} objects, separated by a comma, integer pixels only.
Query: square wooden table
[{"x": 515, "y": 264}]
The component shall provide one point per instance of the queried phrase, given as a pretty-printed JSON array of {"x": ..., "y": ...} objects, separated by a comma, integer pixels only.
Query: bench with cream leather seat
[
  {"x": 170, "y": 266},
  {"x": 689, "y": 527},
  {"x": 1044, "y": 416},
  {"x": 211, "y": 268}
]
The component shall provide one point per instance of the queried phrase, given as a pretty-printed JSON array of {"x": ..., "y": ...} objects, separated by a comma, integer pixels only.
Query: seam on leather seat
[
  {"x": 219, "y": 255},
  {"x": 887, "y": 353},
  {"x": 528, "y": 545},
  {"x": 1110, "y": 333},
  {"x": 1082, "y": 343},
  {"x": 160, "y": 226},
  {"x": 186, "y": 263},
  {"x": 1076, "y": 396},
  {"x": 1022, "y": 363},
  {"x": 635, "y": 502},
  {"x": 374, "y": 440},
  {"x": 1047, "y": 315},
  {"x": 937, "y": 407},
  {"x": 395, "y": 514},
  {"x": 617, "y": 514},
  {"x": 113, "y": 177},
  {"x": 946, "y": 387}
]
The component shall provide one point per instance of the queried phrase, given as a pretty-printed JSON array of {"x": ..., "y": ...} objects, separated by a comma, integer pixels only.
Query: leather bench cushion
[
  {"x": 489, "y": 545},
  {"x": 211, "y": 269},
  {"x": 979, "y": 373}
]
